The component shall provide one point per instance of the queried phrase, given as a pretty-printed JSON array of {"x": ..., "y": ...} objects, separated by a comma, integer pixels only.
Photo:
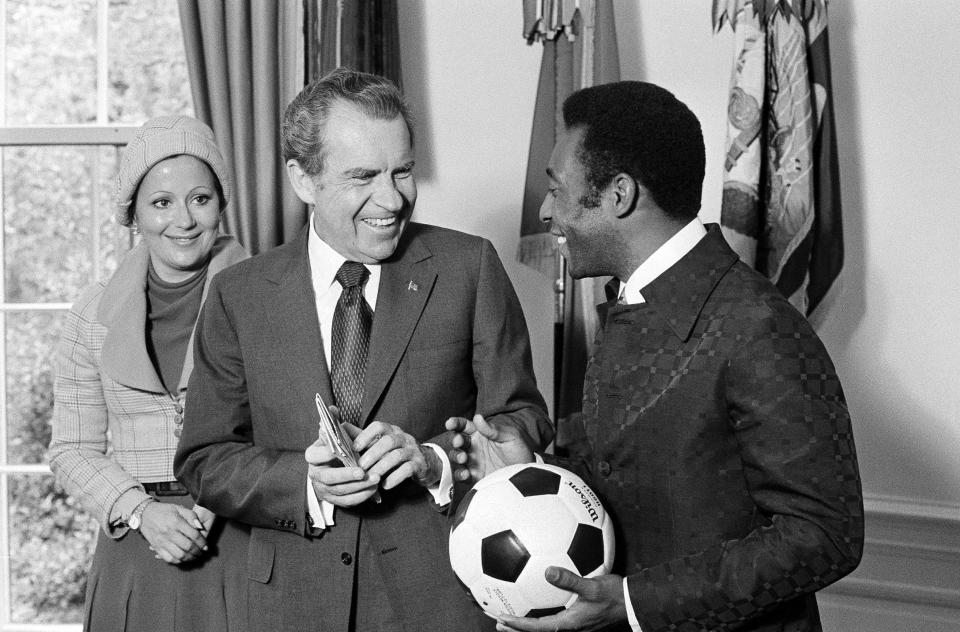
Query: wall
[
  {"x": 472, "y": 81},
  {"x": 891, "y": 334}
]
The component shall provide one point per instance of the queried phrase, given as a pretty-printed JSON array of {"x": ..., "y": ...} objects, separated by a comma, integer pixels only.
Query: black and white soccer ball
[{"x": 515, "y": 523}]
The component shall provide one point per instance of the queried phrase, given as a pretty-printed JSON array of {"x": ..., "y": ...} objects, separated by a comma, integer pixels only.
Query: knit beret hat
[{"x": 161, "y": 138}]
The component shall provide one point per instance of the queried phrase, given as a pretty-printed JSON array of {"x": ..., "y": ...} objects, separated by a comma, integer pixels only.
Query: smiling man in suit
[
  {"x": 715, "y": 428},
  {"x": 401, "y": 325}
]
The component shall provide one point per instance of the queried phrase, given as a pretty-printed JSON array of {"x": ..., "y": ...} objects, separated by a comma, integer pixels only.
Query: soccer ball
[{"x": 515, "y": 523}]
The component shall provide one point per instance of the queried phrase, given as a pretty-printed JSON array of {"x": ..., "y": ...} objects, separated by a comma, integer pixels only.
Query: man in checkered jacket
[{"x": 714, "y": 426}]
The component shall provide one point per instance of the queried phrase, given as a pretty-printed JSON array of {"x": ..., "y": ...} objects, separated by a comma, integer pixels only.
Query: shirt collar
[
  {"x": 325, "y": 261},
  {"x": 661, "y": 260}
]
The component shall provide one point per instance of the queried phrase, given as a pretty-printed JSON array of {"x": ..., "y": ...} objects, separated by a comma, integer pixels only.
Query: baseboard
[
  {"x": 911, "y": 563},
  {"x": 856, "y": 614}
]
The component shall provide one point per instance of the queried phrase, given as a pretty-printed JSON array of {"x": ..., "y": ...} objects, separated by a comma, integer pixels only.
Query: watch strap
[{"x": 136, "y": 516}]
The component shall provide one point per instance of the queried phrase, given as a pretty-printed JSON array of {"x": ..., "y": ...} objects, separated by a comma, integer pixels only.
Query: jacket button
[
  {"x": 346, "y": 558},
  {"x": 604, "y": 468}
]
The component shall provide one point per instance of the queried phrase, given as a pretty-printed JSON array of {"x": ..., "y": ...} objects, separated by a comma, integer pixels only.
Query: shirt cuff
[
  {"x": 442, "y": 492},
  {"x": 631, "y": 615},
  {"x": 320, "y": 512}
]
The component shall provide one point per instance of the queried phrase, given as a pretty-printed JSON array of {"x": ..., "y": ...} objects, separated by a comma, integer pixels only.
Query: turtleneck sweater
[{"x": 172, "y": 310}]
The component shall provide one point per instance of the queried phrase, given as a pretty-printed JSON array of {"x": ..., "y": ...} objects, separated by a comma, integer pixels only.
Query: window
[{"x": 77, "y": 77}]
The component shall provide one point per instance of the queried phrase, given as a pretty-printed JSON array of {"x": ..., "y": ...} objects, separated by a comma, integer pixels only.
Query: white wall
[
  {"x": 472, "y": 81},
  {"x": 899, "y": 134},
  {"x": 893, "y": 334}
]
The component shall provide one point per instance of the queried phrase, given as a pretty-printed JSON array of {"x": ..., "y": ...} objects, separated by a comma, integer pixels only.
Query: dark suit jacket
[
  {"x": 717, "y": 435},
  {"x": 448, "y": 339}
]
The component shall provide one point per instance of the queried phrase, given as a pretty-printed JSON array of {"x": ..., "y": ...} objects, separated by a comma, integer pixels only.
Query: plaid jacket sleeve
[{"x": 79, "y": 443}]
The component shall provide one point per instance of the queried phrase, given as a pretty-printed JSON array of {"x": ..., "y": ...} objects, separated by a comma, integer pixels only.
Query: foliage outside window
[{"x": 76, "y": 78}]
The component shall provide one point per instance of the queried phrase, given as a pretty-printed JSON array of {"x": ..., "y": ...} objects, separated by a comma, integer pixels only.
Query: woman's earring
[{"x": 135, "y": 228}]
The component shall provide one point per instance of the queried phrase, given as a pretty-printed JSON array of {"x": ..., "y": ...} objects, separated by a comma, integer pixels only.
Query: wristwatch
[{"x": 137, "y": 516}]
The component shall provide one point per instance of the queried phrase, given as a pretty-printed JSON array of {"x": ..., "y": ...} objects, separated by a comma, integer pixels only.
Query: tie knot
[{"x": 351, "y": 274}]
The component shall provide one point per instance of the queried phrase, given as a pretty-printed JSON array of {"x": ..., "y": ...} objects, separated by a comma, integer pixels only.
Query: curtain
[
  {"x": 781, "y": 207},
  {"x": 246, "y": 63},
  {"x": 361, "y": 34},
  {"x": 579, "y": 50}
]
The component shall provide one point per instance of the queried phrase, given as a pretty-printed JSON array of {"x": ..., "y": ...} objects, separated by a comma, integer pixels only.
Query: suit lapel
[
  {"x": 226, "y": 252},
  {"x": 294, "y": 319},
  {"x": 123, "y": 311},
  {"x": 679, "y": 294},
  {"x": 405, "y": 286}
]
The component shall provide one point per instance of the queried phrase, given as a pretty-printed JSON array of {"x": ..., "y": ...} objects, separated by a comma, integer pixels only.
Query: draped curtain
[
  {"x": 361, "y": 35},
  {"x": 246, "y": 63},
  {"x": 781, "y": 192},
  {"x": 247, "y": 60},
  {"x": 579, "y": 50}
]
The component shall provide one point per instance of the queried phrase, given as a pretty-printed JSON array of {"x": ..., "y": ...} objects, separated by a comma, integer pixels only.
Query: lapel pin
[{"x": 413, "y": 287}]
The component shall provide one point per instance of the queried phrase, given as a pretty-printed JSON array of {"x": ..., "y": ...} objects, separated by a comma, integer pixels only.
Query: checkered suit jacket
[
  {"x": 113, "y": 421},
  {"x": 717, "y": 435}
]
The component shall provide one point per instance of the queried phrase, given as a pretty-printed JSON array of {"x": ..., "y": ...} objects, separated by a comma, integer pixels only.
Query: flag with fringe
[
  {"x": 781, "y": 195},
  {"x": 579, "y": 50}
]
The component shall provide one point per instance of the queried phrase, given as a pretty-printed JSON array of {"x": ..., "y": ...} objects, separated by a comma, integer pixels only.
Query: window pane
[
  {"x": 148, "y": 70},
  {"x": 115, "y": 240},
  {"x": 31, "y": 339},
  {"x": 51, "y": 62},
  {"x": 51, "y": 545},
  {"x": 58, "y": 209}
]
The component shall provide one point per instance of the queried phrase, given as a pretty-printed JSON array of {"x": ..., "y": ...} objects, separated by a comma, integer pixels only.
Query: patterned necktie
[{"x": 352, "y": 321}]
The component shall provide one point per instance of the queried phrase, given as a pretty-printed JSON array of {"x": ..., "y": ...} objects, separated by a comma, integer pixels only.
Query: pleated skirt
[{"x": 129, "y": 590}]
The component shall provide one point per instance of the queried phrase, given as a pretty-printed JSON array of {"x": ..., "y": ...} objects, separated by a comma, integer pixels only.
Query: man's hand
[
  {"x": 389, "y": 453},
  {"x": 338, "y": 485},
  {"x": 480, "y": 447},
  {"x": 599, "y": 603},
  {"x": 206, "y": 518}
]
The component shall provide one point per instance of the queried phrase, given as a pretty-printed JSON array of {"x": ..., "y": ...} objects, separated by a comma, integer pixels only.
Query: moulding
[
  {"x": 911, "y": 555},
  {"x": 897, "y": 506}
]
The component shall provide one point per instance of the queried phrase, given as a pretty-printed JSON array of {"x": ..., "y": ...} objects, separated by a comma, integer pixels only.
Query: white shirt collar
[
  {"x": 324, "y": 263},
  {"x": 661, "y": 260}
]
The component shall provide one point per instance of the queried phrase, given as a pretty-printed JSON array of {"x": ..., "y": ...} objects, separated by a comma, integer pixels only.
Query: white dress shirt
[
  {"x": 324, "y": 263},
  {"x": 656, "y": 264},
  {"x": 662, "y": 260}
]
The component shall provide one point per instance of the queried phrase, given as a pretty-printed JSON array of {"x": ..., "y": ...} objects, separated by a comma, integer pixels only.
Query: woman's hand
[{"x": 176, "y": 534}]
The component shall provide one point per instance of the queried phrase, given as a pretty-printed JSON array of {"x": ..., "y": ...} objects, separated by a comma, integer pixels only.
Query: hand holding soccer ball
[
  {"x": 599, "y": 604},
  {"x": 518, "y": 522},
  {"x": 587, "y": 603}
]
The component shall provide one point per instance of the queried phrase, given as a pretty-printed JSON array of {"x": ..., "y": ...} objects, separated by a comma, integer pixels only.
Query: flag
[
  {"x": 781, "y": 199},
  {"x": 579, "y": 50}
]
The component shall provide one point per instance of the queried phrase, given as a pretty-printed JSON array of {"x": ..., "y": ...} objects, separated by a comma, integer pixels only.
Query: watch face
[{"x": 134, "y": 522}]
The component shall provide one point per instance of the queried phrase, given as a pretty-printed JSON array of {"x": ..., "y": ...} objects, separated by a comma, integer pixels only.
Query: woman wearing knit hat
[{"x": 122, "y": 366}]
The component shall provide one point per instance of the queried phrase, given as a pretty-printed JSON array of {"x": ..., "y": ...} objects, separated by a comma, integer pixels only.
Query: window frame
[
  {"x": 95, "y": 134},
  {"x": 19, "y": 136}
]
